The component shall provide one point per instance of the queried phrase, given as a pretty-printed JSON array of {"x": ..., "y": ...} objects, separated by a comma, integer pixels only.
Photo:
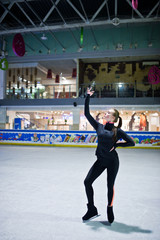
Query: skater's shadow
[{"x": 116, "y": 227}]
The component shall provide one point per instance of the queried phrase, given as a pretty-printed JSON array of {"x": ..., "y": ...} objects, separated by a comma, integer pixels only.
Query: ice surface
[{"x": 42, "y": 195}]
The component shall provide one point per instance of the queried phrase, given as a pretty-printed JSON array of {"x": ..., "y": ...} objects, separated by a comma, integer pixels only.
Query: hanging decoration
[
  {"x": 57, "y": 79},
  {"x": 74, "y": 73},
  {"x": 154, "y": 75},
  {"x": 49, "y": 74},
  {"x": 27, "y": 84},
  {"x": 31, "y": 80},
  {"x": 9, "y": 72},
  {"x": 9, "y": 85},
  {"x": 22, "y": 82},
  {"x": 135, "y": 4},
  {"x": 14, "y": 77},
  {"x": 18, "y": 45},
  {"x": 27, "y": 79},
  {"x": 3, "y": 64},
  {"x": 31, "y": 76},
  {"x": 35, "y": 73},
  {"x": 18, "y": 73},
  {"x": 18, "y": 84},
  {"x": 9, "y": 82},
  {"x": 81, "y": 39},
  {"x": 22, "y": 76},
  {"x": 22, "y": 90}
]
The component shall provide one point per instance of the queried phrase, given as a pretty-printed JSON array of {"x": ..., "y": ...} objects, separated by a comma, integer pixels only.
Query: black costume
[{"x": 105, "y": 159}]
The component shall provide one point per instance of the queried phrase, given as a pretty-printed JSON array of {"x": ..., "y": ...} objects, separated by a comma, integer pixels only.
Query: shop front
[{"x": 132, "y": 120}]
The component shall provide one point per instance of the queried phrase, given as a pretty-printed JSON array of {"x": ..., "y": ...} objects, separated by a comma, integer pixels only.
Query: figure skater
[{"x": 107, "y": 157}]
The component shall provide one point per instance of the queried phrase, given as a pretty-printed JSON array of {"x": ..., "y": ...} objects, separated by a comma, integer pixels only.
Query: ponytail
[
  {"x": 119, "y": 119},
  {"x": 115, "y": 129},
  {"x": 120, "y": 122}
]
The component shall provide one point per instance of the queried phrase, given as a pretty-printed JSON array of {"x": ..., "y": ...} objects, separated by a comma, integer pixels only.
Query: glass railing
[
  {"x": 119, "y": 90},
  {"x": 109, "y": 90},
  {"x": 42, "y": 92}
]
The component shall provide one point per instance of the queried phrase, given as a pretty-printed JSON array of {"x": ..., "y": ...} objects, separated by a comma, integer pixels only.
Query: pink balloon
[
  {"x": 135, "y": 4},
  {"x": 18, "y": 45},
  {"x": 154, "y": 75}
]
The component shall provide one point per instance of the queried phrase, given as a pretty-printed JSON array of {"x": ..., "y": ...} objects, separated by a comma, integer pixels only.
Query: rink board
[{"x": 71, "y": 138}]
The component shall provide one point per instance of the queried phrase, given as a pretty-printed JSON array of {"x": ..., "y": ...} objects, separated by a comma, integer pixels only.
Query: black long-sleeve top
[{"x": 105, "y": 134}]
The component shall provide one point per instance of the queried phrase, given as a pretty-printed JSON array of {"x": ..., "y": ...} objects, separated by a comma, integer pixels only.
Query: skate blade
[{"x": 91, "y": 218}]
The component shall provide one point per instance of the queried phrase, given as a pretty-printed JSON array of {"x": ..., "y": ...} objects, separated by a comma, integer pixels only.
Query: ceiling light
[
  {"x": 136, "y": 45},
  {"x": 116, "y": 21},
  {"x": 150, "y": 44},
  {"x": 44, "y": 37},
  {"x": 119, "y": 46},
  {"x": 155, "y": 114},
  {"x": 80, "y": 49},
  {"x": 150, "y": 63}
]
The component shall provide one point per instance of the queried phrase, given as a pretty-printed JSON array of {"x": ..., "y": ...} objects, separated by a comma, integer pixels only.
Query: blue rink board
[{"x": 71, "y": 137}]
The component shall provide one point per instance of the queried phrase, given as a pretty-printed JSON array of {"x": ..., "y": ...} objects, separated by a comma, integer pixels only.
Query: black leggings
[{"x": 95, "y": 171}]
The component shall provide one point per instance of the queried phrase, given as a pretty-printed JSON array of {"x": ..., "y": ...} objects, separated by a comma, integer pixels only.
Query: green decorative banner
[
  {"x": 3, "y": 64},
  {"x": 81, "y": 40}
]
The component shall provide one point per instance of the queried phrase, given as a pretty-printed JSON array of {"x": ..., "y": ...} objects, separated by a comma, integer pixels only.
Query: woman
[{"x": 107, "y": 157}]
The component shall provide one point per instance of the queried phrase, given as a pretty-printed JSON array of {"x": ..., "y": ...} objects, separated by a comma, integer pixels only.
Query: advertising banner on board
[{"x": 145, "y": 139}]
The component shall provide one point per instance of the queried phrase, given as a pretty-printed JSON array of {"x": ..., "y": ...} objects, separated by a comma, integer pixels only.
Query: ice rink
[{"x": 42, "y": 196}]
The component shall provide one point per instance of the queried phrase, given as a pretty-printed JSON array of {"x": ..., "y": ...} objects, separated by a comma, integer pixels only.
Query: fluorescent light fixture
[
  {"x": 119, "y": 46},
  {"x": 150, "y": 44},
  {"x": 155, "y": 114},
  {"x": 44, "y": 37},
  {"x": 80, "y": 49},
  {"x": 150, "y": 63},
  {"x": 115, "y": 21}
]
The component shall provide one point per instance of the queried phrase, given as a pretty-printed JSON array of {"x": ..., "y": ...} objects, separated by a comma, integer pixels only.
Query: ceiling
[
  {"x": 62, "y": 66},
  {"x": 29, "y": 16},
  {"x": 55, "y": 15},
  {"x": 121, "y": 59}
]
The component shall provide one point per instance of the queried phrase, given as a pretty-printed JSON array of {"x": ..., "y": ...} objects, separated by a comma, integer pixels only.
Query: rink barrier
[
  {"x": 71, "y": 138},
  {"x": 60, "y": 145}
]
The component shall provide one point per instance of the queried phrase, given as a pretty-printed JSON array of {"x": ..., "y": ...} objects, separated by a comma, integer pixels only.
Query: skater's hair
[{"x": 119, "y": 119}]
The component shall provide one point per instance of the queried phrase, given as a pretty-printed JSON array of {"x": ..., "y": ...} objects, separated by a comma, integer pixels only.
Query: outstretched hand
[{"x": 89, "y": 91}]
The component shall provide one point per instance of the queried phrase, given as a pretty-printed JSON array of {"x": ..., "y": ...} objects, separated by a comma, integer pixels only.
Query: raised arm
[
  {"x": 91, "y": 120},
  {"x": 128, "y": 140}
]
